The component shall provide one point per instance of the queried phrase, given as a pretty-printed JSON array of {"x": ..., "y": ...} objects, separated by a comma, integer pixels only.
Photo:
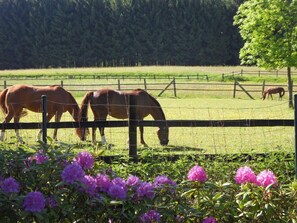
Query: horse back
[{"x": 29, "y": 97}]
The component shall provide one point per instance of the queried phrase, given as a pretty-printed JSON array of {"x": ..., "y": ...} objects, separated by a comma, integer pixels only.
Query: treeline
[{"x": 75, "y": 33}]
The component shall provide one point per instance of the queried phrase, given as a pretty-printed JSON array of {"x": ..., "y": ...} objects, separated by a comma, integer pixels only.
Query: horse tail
[
  {"x": 2, "y": 100},
  {"x": 84, "y": 106},
  {"x": 83, "y": 113}
]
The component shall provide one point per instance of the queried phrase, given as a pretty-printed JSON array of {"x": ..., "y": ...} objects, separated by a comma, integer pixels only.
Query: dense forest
[{"x": 76, "y": 33}]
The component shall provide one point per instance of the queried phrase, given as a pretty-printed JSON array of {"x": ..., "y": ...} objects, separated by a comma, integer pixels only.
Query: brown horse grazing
[
  {"x": 15, "y": 98},
  {"x": 114, "y": 103},
  {"x": 277, "y": 90}
]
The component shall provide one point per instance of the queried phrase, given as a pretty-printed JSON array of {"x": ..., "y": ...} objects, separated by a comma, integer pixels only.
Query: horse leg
[
  {"x": 103, "y": 139},
  {"x": 16, "y": 120},
  {"x": 101, "y": 130},
  {"x": 7, "y": 119},
  {"x": 142, "y": 142},
  {"x": 57, "y": 119}
]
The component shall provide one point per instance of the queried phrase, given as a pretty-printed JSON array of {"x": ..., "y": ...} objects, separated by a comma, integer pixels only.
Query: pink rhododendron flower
[
  {"x": 245, "y": 175},
  {"x": 132, "y": 181},
  {"x": 103, "y": 182},
  {"x": 197, "y": 173},
  {"x": 265, "y": 178},
  {"x": 90, "y": 184}
]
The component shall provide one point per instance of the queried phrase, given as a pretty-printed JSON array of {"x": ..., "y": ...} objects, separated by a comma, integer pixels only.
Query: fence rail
[
  {"x": 153, "y": 123},
  {"x": 176, "y": 87}
]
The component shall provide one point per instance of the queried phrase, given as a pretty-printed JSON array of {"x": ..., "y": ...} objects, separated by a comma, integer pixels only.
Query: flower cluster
[
  {"x": 150, "y": 216},
  {"x": 105, "y": 188},
  {"x": 116, "y": 188},
  {"x": 73, "y": 173},
  {"x": 209, "y": 220},
  {"x": 10, "y": 185},
  {"x": 197, "y": 173},
  {"x": 85, "y": 160},
  {"x": 34, "y": 202},
  {"x": 40, "y": 157},
  {"x": 246, "y": 175}
]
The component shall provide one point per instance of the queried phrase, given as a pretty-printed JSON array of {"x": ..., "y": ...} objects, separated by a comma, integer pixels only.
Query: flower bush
[{"x": 56, "y": 184}]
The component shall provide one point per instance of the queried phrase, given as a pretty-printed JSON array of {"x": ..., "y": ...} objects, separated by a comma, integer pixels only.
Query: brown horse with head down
[
  {"x": 115, "y": 103},
  {"x": 15, "y": 98},
  {"x": 270, "y": 91}
]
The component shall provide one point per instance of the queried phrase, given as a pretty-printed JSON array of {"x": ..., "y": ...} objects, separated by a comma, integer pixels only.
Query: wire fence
[
  {"x": 195, "y": 128},
  {"x": 174, "y": 87}
]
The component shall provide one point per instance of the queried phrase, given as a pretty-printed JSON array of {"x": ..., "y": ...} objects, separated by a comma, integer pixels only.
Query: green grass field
[
  {"x": 185, "y": 107},
  {"x": 202, "y": 139}
]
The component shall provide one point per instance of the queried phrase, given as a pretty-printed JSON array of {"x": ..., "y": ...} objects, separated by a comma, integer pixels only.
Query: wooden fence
[
  {"x": 174, "y": 86},
  {"x": 132, "y": 123}
]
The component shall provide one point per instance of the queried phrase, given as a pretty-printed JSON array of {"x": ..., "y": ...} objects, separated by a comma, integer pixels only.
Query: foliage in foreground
[{"x": 52, "y": 183}]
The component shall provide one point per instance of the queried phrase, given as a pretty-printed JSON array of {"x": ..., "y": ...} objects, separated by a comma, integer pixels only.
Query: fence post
[
  {"x": 132, "y": 129},
  {"x": 263, "y": 87},
  {"x": 44, "y": 129},
  {"x": 144, "y": 82},
  {"x": 4, "y": 85},
  {"x": 174, "y": 87},
  {"x": 234, "y": 90},
  {"x": 295, "y": 125}
]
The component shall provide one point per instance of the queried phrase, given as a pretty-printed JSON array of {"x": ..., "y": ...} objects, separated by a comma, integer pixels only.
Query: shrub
[{"x": 53, "y": 183}]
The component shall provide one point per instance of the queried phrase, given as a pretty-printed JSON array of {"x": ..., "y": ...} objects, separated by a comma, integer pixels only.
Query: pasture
[
  {"x": 206, "y": 104},
  {"x": 192, "y": 140},
  {"x": 42, "y": 168}
]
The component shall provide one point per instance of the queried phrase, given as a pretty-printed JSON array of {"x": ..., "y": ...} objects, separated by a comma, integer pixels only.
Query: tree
[{"x": 269, "y": 31}]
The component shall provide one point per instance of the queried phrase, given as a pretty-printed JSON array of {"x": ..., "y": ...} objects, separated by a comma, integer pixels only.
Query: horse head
[{"x": 163, "y": 133}]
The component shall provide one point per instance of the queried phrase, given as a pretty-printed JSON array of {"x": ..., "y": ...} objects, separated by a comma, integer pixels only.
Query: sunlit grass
[
  {"x": 192, "y": 139},
  {"x": 214, "y": 73}
]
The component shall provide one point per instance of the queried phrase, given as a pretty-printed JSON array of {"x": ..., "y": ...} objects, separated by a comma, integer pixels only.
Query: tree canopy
[
  {"x": 269, "y": 32},
  {"x": 75, "y": 33}
]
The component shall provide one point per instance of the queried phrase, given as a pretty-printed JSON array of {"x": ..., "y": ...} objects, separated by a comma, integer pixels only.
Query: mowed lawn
[{"x": 193, "y": 139}]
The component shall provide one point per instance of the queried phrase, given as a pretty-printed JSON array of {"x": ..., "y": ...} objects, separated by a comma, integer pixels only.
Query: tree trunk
[{"x": 290, "y": 87}]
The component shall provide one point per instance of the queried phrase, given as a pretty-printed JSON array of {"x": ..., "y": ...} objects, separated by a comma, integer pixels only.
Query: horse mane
[
  {"x": 156, "y": 103},
  {"x": 2, "y": 100}
]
